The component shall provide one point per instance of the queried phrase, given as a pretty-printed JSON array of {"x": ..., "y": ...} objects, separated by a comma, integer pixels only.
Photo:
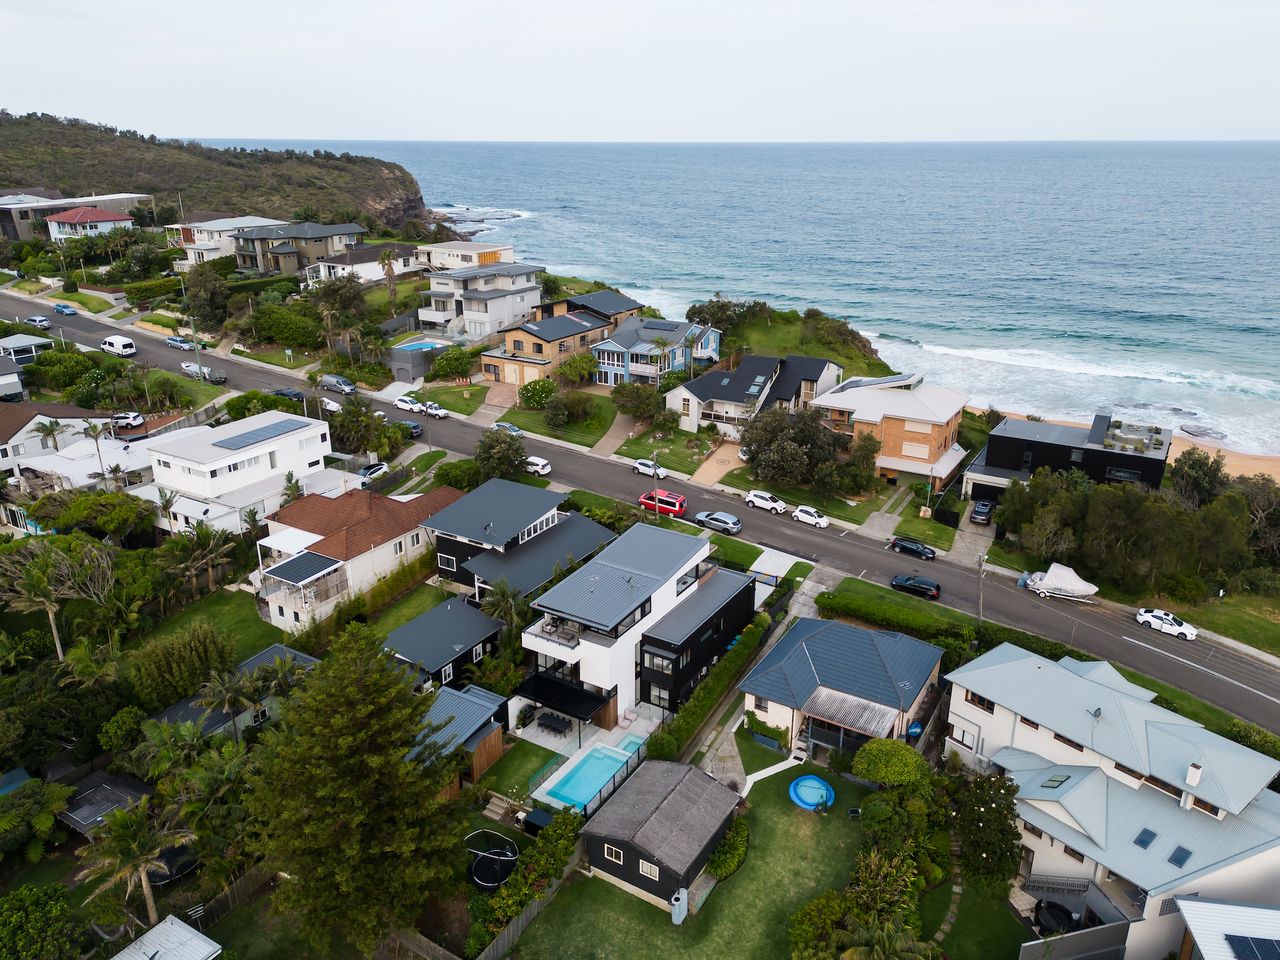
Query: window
[
  {"x": 1180, "y": 856},
  {"x": 313, "y": 464},
  {"x": 537, "y": 348},
  {"x": 648, "y": 869},
  {"x": 477, "y": 652},
  {"x": 1073, "y": 854},
  {"x": 1033, "y": 830},
  {"x": 981, "y": 702},
  {"x": 760, "y": 703},
  {"x": 653, "y": 661},
  {"x": 1029, "y": 723},
  {"x": 297, "y": 617},
  {"x": 415, "y": 539},
  {"x": 260, "y": 716},
  {"x": 684, "y": 407},
  {"x": 1069, "y": 742},
  {"x": 1145, "y": 838},
  {"x": 1123, "y": 475},
  {"x": 565, "y": 346},
  {"x": 446, "y": 674},
  {"x": 1164, "y": 785},
  {"x": 659, "y": 696},
  {"x": 280, "y": 611},
  {"x": 1057, "y": 780},
  {"x": 1205, "y": 805},
  {"x": 398, "y": 548},
  {"x": 966, "y": 738},
  {"x": 517, "y": 344},
  {"x": 1077, "y": 456},
  {"x": 1129, "y": 770},
  {"x": 446, "y": 562},
  {"x": 612, "y": 853}
]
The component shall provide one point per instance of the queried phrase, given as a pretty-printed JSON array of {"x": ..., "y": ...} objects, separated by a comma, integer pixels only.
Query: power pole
[{"x": 982, "y": 559}]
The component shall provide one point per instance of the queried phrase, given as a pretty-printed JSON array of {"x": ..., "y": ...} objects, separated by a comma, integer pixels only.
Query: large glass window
[{"x": 654, "y": 662}]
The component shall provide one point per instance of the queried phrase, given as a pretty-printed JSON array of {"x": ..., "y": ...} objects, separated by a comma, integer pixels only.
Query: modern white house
[
  {"x": 462, "y": 255},
  {"x": 84, "y": 222},
  {"x": 216, "y": 474},
  {"x": 211, "y": 239},
  {"x": 363, "y": 261},
  {"x": 11, "y": 389},
  {"x": 476, "y": 302},
  {"x": 730, "y": 398},
  {"x": 1124, "y": 807},
  {"x": 321, "y": 550}
]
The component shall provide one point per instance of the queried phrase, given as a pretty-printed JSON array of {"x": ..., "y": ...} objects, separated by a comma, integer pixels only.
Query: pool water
[
  {"x": 589, "y": 775},
  {"x": 631, "y": 743},
  {"x": 811, "y": 792},
  {"x": 424, "y": 345}
]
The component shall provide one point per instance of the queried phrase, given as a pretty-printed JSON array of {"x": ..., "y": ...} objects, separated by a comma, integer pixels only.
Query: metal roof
[
  {"x": 565, "y": 325},
  {"x": 460, "y": 714},
  {"x": 698, "y": 606},
  {"x": 443, "y": 633},
  {"x": 299, "y": 231},
  {"x": 501, "y": 269},
  {"x": 203, "y": 444},
  {"x": 608, "y": 303},
  {"x": 639, "y": 333},
  {"x": 267, "y": 431},
  {"x": 97, "y": 795},
  {"x": 495, "y": 512},
  {"x": 669, "y": 811},
  {"x": 733, "y": 386},
  {"x": 171, "y": 939},
  {"x": 874, "y": 665},
  {"x": 795, "y": 371},
  {"x": 303, "y": 568},
  {"x": 1211, "y": 922},
  {"x": 622, "y": 576},
  {"x": 11, "y": 780},
  {"x": 1127, "y": 727},
  {"x": 852, "y": 713},
  {"x": 529, "y": 565}
]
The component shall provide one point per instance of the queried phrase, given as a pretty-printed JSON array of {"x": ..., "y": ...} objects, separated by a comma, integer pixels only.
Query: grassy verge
[
  {"x": 800, "y": 570},
  {"x": 511, "y": 774},
  {"x": 463, "y": 400},
  {"x": 198, "y": 391},
  {"x": 779, "y": 338},
  {"x": 234, "y": 613},
  {"x": 985, "y": 928},
  {"x": 755, "y": 756},
  {"x": 278, "y": 358},
  {"x": 413, "y": 604},
  {"x": 586, "y": 433},
  {"x": 123, "y": 315},
  {"x": 891, "y": 598},
  {"x": 932, "y": 532},
  {"x": 30, "y": 286},
  {"x": 794, "y": 855},
  {"x": 1011, "y": 559},
  {"x": 420, "y": 465},
  {"x": 735, "y": 551},
  {"x": 852, "y": 512},
  {"x": 1251, "y": 620},
  {"x": 530, "y": 480},
  {"x": 672, "y": 451},
  {"x": 86, "y": 300},
  {"x": 586, "y": 498},
  {"x": 6, "y": 276}
]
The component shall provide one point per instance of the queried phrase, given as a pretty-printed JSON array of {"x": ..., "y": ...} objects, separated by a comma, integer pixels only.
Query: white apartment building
[
  {"x": 216, "y": 474},
  {"x": 1123, "y": 805},
  {"x": 477, "y": 302},
  {"x": 211, "y": 239},
  {"x": 463, "y": 254}
]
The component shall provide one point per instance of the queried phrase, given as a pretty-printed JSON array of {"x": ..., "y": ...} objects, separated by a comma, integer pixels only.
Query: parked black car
[
  {"x": 920, "y": 586},
  {"x": 289, "y": 393},
  {"x": 982, "y": 511},
  {"x": 913, "y": 547}
]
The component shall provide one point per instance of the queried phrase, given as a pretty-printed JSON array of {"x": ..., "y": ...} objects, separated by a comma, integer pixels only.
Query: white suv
[{"x": 765, "y": 500}]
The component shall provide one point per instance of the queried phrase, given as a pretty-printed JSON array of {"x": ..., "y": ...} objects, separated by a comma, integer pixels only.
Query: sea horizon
[{"x": 1054, "y": 277}]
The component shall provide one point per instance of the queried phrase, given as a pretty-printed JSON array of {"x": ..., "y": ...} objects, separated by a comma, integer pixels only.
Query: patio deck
[{"x": 648, "y": 718}]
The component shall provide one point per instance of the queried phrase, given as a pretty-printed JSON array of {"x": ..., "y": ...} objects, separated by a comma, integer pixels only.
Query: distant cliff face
[{"x": 80, "y": 158}]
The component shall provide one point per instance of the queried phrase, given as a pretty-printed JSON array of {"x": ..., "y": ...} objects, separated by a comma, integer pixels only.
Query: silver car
[{"x": 719, "y": 520}]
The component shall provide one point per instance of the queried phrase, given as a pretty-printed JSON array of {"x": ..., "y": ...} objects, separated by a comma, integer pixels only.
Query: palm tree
[
  {"x": 228, "y": 693},
  {"x": 212, "y": 547},
  {"x": 329, "y": 316},
  {"x": 41, "y": 818},
  {"x": 128, "y": 848},
  {"x": 387, "y": 260},
  {"x": 93, "y": 665},
  {"x": 278, "y": 677},
  {"x": 50, "y": 430},
  {"x": 12, "y": 653},
  {"x": 503, "y": 602},
  {"x": 166, "y": 500},
  {"x": 292, "y": 489},
  {"x": 95, "y": 432},
  {"x": 166, "y": 747},
  {"x": 30, "y": 582},
  {"x": 891, "y": 940}
]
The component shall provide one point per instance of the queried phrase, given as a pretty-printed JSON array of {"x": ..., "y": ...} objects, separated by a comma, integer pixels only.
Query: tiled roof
[
  {"x": 15, "y": 416},
  {"x": 87, "y": 215},
  {"x": 360, "y": 520}
]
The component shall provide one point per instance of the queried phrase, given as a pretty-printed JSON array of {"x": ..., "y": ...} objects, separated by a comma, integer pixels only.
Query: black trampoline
[{"x": 493, "y": 857}]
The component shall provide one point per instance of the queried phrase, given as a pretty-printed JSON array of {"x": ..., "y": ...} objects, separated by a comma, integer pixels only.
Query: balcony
[
  {"x": 712, "y": 416},
  {"x": 1113, "y": 900}
]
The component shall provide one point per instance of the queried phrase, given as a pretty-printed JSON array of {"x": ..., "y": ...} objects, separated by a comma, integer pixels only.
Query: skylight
[
  {"x": 1144, "y": 839},
  {"x": 1180, "y": 856},
  {"x": 1057, "y": 780}
]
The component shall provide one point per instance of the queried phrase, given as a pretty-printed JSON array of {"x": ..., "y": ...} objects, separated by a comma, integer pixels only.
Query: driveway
[
  {"x": 724, "y": 459},
  {"x": 972, "y": 541}
]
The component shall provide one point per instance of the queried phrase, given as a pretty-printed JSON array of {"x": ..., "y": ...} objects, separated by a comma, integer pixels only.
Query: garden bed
[
  {"x": 586, "y": 433},
  {"x": 671, "y": 451},
  {"x": 838, "y": 507}
]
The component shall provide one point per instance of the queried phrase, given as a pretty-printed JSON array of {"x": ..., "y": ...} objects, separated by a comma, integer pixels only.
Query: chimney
[{"x": 1193, "y": 775}]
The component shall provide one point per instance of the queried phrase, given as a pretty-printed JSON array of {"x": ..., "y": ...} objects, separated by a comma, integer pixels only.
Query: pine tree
[{"x": 347, "y": 802}]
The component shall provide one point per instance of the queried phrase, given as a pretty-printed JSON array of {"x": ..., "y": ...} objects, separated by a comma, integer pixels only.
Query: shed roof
[
  {"x": 461, "y": 714},
  {"x": 232, "y": 440},
  {"x": 698, "y": 606},
  {"x": 443, "y": 633},
  {"x": 669, "y": 811},
  {"x": 641, "y": 333},
  {"x": 495, "y": 512},
  {"x": 533, "y": 562},
  {"x": 370, "y": 253},
  {"x": 500, "y": 269},
  {"x": 171, "y": 939}
]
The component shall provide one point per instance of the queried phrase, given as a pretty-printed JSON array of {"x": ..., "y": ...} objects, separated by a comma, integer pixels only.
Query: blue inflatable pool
[{"x": 811, "y": 792}]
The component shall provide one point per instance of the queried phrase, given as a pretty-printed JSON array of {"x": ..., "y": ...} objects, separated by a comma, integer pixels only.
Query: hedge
[
  {"x": 258, "y": 284},
  {"x": 690, "y": 717},
  {"x": 1254, "y": 737},
  {"x": 731, "y": 852},
  {"x": 135, "y": 293}
]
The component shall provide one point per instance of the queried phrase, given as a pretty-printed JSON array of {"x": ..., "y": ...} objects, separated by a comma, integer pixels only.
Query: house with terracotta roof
[
  {"x": 320, "y": 550},
  {"x": 85, "y": 222},
  {"x": 20, "y": 439}
]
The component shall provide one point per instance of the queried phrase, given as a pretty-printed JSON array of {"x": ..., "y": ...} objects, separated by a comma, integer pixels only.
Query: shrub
[
  {"x": 884, "y": 885},
  {"x": 730, "y": 852},
  {"x": 452, "y": 364},
  {"x": 662, "y": 746},
  {"x": 985, "y": 823},
  {"x": 70, "y": 286},
  {"x": 637, "y": 399},
  {"x": 535, "y": 394},
  {"x": 556, "y": 413},
  {"x": 817, "y": 920},
  {"x": 169, "y": 668},
  {"x": 780, "y": 734},
  {"x": 463, "y": 474},
  {"x": 666, "y": 421},
  {"x": 258, "y": 284},
  {"x": 890, "y": 763},
  {"x": 578, "y": 406},
  {"x": 255, "y": 401},
  {"x": 146, "y": 290},
  {"x": 840, "y": 761},
  {"x": 1254, "y": 737},
  {"x": 121, "y": 732},
  {"x": 690, "y": 717}
]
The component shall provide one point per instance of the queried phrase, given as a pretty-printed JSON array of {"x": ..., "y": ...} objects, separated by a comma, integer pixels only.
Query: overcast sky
[{"x": 655, "y": 69}]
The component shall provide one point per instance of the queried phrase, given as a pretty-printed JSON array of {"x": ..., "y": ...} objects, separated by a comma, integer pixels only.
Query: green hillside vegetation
[{"x": 78, "y": 157}]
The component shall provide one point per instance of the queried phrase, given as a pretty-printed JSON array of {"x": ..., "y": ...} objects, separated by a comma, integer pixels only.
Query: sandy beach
[{"x": 1237, "y": 463}]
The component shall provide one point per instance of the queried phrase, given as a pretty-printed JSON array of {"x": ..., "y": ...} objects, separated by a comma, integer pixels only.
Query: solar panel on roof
[
  {"x": 661, "y": 325},
  {"x": 267, "y": 431},
  {"x": 1252, "y": 948},
  {"x": 1180, "y": 856}
]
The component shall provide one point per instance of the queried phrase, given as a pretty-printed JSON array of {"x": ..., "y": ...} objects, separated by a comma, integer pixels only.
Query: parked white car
[
  {"x": 433, "y": 409},
  {"x": 410, "y": 403},
  {"x": 649, "y": 468},
  {"x": 765, "y": 501},
  {"x": 1165, "y": 622},
  {"x": 127, "y": 418},
  {"x": 537, "y": 466},
  {"x": 372, "y": 472},
  {"x": 812, "y": 516}
]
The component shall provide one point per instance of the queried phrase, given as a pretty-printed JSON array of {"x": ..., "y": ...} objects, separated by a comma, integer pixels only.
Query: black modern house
[
  {"x": 511, "y": 531},
  {"x": 442, "y": 641},
  {"x": 654, "y": 835},
  {"x": 1108, "y": 451}
]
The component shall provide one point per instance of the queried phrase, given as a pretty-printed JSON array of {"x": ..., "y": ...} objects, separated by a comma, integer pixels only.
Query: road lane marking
[{"x": 1204, "y": 669}]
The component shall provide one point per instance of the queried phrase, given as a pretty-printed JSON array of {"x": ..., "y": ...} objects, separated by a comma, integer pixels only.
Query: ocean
[{"x": 1054, "y": 278}]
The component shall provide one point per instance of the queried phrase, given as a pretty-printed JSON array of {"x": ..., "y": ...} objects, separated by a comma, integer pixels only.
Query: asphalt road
[{"x": 1237, "y": 682}]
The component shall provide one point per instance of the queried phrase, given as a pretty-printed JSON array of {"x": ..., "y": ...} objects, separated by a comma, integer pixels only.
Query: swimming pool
[
  {"x": 590, "y": 774},
  {"x": 424, "y": 345}
]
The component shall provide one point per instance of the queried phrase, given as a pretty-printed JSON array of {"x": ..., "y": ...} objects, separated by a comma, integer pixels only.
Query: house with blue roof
[
  {"x": 642, "y": 349},
  {"x": 834, "y": 685},
  {"x": 471, "y": 721},
  {"x": 1124, "y": 807}
]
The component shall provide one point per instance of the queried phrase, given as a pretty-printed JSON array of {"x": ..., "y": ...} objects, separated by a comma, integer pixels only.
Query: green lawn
[
  {"x": 985, "y": 928},
  {"x": 586, "y": 498},
  {"x": 234, "y": 613},
  {"x": 512, "y": 773},
  {"x": 1252, "y": 620},
  {"x": 794, "y": 855},
  {"x": 779, "y": 338},
  {"x": 420, "y": 465},
  {"x": 463, "y": 400},
  {"x": 50, "y": 869},
  {"x": 672, "y": 452},
  {"x": 576, "y": 286},
  {"x": 800, "y": 570},
  {"x": 891, "y": 598},
  {"x": 413, "y": 604},
  {"x": 1011, "y": 559},
  {"x": 586, "y": 433},
  {"x": 375, "y": 297},
  {"x": 838, "y": 507},
  {"x": 278, "y": 358},
  {"x": 530, "y": 480},
  {"x": 29, "y": 286},
  {"x": 123, "y": 315},
  {"x": 735, "y": 551},
  {"x": 933, "y": 906},
  {"x": 6, "y": 276},
  {"x": 86, "y": 300},
  {"x": 755, "y": 756},
  {"x": 478, "y": 821},
  {"x": 199, "y": 391},
  {"x": 252, "y": 932},
  {"x": 932, "y": 532}
]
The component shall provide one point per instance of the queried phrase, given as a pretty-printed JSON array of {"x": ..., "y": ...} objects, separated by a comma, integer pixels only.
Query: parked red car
[{"x": 663, "y": 501}]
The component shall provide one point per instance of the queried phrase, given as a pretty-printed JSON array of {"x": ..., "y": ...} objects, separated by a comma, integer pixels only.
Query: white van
[{"x": 118, "y": 345}]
